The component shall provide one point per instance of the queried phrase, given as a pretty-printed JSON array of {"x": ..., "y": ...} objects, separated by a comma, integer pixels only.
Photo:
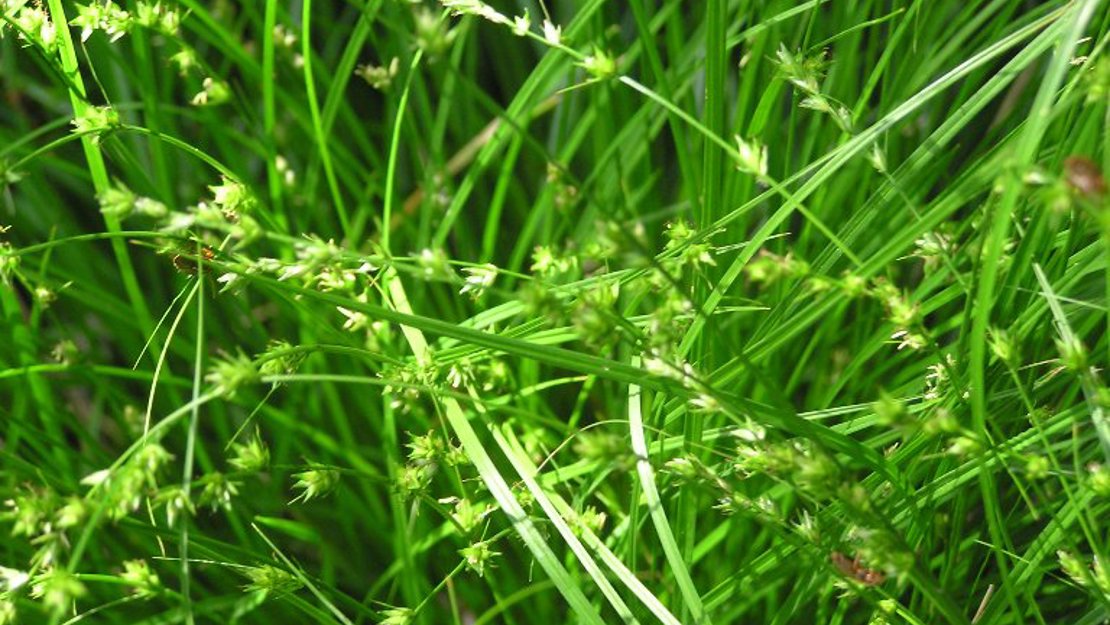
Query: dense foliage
[{"x": 392, "y": 311}]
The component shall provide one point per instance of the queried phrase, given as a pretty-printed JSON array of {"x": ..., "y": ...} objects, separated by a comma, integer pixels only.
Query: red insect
[
  {"x": 188, "y": 265},
  {"x": 1084, "y": 176},
  {"x": 854, "y": 569}
]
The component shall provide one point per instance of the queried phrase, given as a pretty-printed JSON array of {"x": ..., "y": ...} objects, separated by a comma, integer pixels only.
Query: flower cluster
[
  {"x": 96, "y": 121},
  {"x": 478, "y": 280},
  {"x": 594, "y": 313},
  {"x": 396, "y": 616},
  {"x": 933, "y": 247},
  {"x": 124, "y": 488},
  {"x": 600, "y": 65},
  {"x": 475, "y": 7},
  {"x": 379, "y": 77},
  {"x": 320, "y": 263},
  {"x": 434, "y": 265},
  {"x": 57, "y": 589},
  {"x": 227, "y": 212},
  {"x": 881, "y": 549},
  {"x": 46, "y": 518},
  {"x": 805, "y": 73},
  {"x": 433, "y": 35},
  {"x": 903, "y": 314},
  {"x": 143, "y": 581},
  {"x": 33, "y": 24},
  {"x": 271, "y": 580},
  {"x": 666, "y": 324},
  {"x": 520, "y": 25},
  {"x": 115, "y": 22},
  {"x": 213, "y": 92},
  {"x": 9, "y": 262},
  {"x": 315, "y": 482},
  {"x": 217, "y": 491},
  {"x": 478, "y": 556},
  {"x": 590, "y": 520},
  {"x": 549, "y": 264},
  {"x": 1095, "y": 577},
  {"x": 751, "y": 156},
  {"x": 231, "y": 373},
  {"x": 467, "y": 515},
  {"x": 605, "y": 447},
  {"x": 107, "y": 16},
  {"x": 565, "y": 191},
  {"x": 488, "y": 375},
  {"x": 805, "y": 464},
  {"x": 252, "y": 456},
  {"x": 120, "y": 202},
  {"x": 768, "y": 268},
  {"x": 685, "y": 249},
  {"x": 427, "y": 453},
  {"x": 280, "y": 358}
]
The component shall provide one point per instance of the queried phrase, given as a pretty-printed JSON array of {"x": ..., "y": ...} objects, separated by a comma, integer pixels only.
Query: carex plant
[{"x": 395, "y": 311}]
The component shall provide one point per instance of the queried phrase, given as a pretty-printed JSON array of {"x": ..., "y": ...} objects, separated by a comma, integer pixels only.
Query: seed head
[
  {"x": 315, "y": 482},
  {"x": 231, "y": 373},
  {"x": 139, "y": 576},
  {"x": 478, "y": 556},
  {"x": 252, "y": 456},
  {"x": 272, "y": 580}
]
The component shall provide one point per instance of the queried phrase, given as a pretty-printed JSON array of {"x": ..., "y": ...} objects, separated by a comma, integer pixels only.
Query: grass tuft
[{"x": 406, "y": 312}]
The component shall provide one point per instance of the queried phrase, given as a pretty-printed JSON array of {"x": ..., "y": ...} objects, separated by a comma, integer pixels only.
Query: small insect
[
  {"x": 1084, "y": 176},
  {"x": 854, "y": 569},
  {"x": 185, "y": 262}
]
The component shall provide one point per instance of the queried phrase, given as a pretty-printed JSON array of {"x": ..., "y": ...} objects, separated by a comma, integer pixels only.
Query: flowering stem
[
  {"x": 317, "y": 124},
  {"x": 395, "y": 141},
  {"x": 95, "y": 160}
]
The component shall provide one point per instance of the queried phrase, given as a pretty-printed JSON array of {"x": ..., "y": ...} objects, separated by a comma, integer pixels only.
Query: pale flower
[
  {"x": 478, "y": 279},
  {"x": 552, "y": 33}
]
